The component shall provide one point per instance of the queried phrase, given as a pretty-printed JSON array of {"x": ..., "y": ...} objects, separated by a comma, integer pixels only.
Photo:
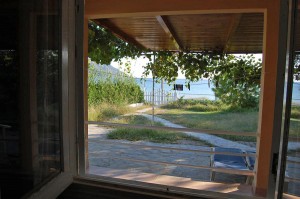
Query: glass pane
[
  {"x": 48, "y": 93},
  {"x": 29, "y": 94},
  {"x": 292, "y": 171}
]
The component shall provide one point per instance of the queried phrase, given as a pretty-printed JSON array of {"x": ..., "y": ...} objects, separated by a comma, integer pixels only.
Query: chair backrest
[{"x": 238, "y": 162}]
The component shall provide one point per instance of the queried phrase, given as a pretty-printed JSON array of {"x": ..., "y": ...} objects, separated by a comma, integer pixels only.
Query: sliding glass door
[
  {"x": 30, "y": 95},
  {"x": 288, "y": 177}
]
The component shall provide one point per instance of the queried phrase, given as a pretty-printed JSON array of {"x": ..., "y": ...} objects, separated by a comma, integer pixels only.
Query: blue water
[
  {"x": 200, "y": 89},
  {"x": 296, "y": 93}
]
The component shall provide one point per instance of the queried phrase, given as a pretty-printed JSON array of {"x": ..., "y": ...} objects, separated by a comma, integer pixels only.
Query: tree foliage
[
  {"x": 236, "y": 79},
  {"x": 104, "y": 47},
  {"x": 297, "y": 64},
  {"x": 166, "y": 65}
]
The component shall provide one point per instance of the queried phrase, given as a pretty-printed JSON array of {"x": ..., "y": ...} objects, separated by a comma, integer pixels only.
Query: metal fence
[{"x": 160, "y": 97}]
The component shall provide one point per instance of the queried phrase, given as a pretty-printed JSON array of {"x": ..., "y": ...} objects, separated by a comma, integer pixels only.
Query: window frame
[
  {"x": 55, "y": 185},
  {"x": 277, "y": 113},
  {"x": 73, "y": 125}
]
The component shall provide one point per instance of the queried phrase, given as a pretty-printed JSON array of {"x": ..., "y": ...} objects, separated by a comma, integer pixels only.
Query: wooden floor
[
  {"x": 79, "y": 191},
  {"x": 172, "y": 181},
  {"x": 87, "y": 190}
]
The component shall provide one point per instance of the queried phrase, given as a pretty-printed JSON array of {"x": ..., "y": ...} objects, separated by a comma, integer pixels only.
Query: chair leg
[
  {"x": 212, "y": 173},
  {"x": 249, "y": 180}
]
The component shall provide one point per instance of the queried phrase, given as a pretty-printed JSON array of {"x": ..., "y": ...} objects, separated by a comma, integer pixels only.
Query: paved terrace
[
  {"x": 140, "y": 161},
  {"x": 122, "y": 155}
]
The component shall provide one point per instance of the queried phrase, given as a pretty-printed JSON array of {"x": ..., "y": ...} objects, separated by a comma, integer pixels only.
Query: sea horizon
[{"x": 199, "y": 89}]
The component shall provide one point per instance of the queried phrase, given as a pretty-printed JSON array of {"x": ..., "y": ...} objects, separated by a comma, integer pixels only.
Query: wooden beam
[
  {"x": 106, "y": 23},
  {"x": 235, "y": 21},
  {"x": 95, "y": 9},
  {"x": 169, "y": 30}
]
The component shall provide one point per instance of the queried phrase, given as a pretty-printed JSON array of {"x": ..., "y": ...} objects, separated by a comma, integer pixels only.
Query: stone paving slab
[{"x": 115, "y": 155}]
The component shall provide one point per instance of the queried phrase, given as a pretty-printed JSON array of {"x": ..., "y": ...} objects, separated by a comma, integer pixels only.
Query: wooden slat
[
  {"x": 201, "y": 32},
  {"x": 105, "y": 23},
  {"x": 216, "y": 169},
  {"x": 132, "y": 8},
  {"x": 234, "y": 33},
  {"x": 174, "y": 149},
  {"x": 248, "y": 36},
  {"x": 146, "y": 31},
  {"x": 169, "y": 31},
  {"x": 289, "y": 179},
  {"x": 235, "y": 21}
]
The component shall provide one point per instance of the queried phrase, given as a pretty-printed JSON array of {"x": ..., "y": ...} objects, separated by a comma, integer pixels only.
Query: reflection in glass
[
  {"x": 292, "y": 172},
  {"x": 29, "y": 95}
]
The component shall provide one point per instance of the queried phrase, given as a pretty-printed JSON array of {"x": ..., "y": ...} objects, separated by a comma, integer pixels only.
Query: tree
[{"x": 236, "y": 79}]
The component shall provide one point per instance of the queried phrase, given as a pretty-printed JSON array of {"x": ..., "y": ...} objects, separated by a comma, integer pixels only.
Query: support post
[
  {"x": 162, "y": 92},
  {"x": 153, "y": 95},
  {"x": 85, "y": 86},
  {"x": 271, "y": 98}
]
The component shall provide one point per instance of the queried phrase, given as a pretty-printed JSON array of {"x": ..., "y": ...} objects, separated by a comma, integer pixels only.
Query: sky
[
  {"x": 136, "y": 66},
  {"x": 137, "y": 69}
]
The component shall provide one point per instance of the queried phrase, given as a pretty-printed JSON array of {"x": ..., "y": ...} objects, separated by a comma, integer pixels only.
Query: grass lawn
[
  {"x": 106, "y": 111},
  {"x": 225, "y": 121},
  {"x": 134, "y": 119},
  {"x": 215, "y": 116},
  {"x": 158, "y": 136},
  {"x": 199, "y": 114},
  {"x": 295, "y": 122}
]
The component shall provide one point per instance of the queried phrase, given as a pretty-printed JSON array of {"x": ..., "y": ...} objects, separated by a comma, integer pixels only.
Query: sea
[{"x": 199, "y": 89}]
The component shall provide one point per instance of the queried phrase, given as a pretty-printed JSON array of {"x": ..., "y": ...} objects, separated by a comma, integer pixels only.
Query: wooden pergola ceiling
[{"x": 231, "y": 33}]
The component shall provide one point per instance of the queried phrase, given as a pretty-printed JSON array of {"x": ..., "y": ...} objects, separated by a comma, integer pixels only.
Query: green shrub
[{"x": 105, "y": 87}]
